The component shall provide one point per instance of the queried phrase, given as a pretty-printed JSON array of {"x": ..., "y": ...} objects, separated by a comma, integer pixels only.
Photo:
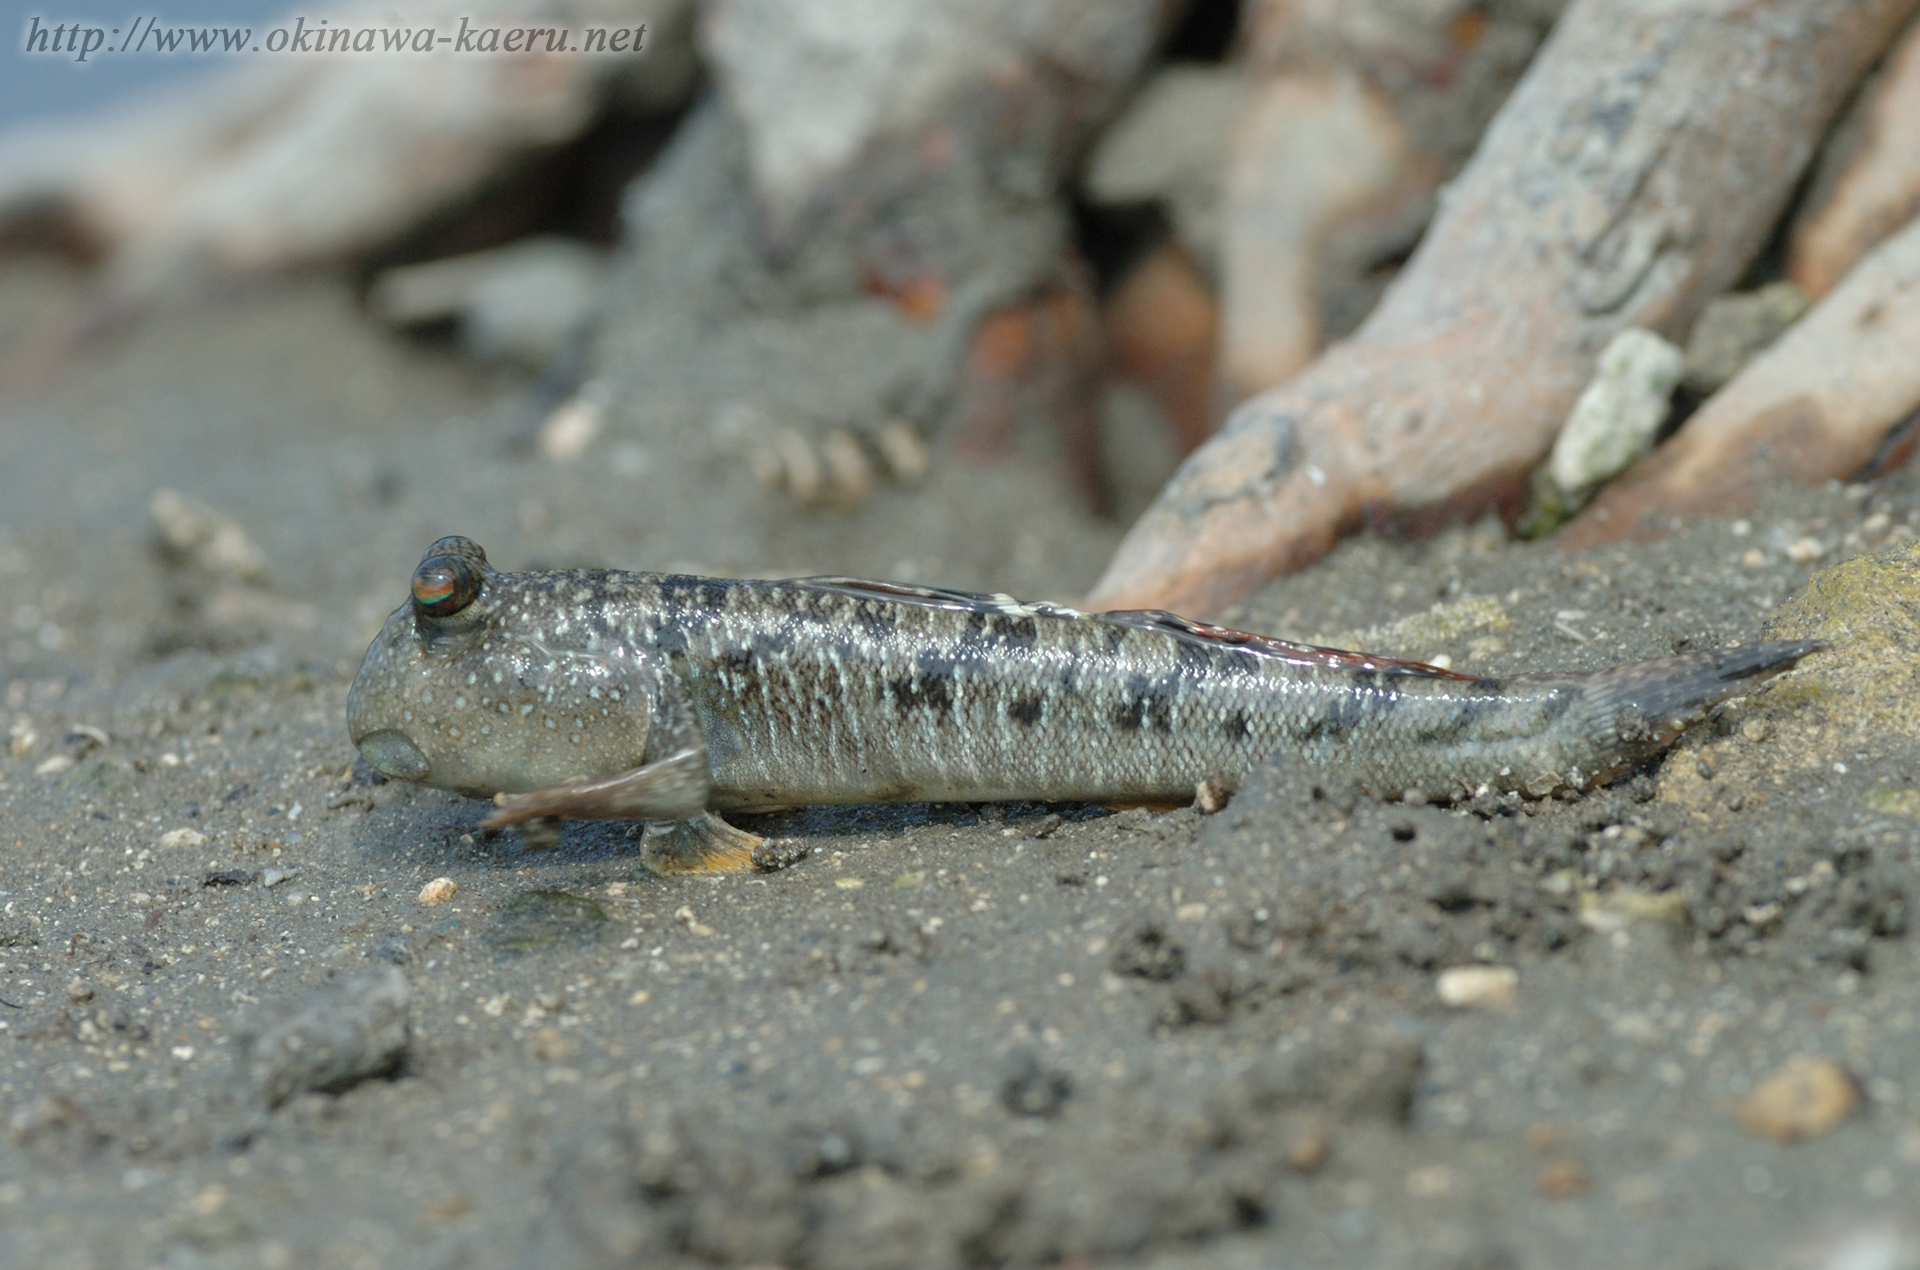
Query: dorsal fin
[
  {"x": 1156, "y": 620},
  {"x": 1267, "y": 646},
  {"x": 937, "y": 597}
]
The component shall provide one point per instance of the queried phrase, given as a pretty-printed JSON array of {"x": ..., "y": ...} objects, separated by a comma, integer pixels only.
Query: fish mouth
[{"x": 394, "y": 754}]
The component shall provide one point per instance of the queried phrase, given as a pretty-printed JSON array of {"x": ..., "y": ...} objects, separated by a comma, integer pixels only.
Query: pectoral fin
[
  {"x": 703, "y": 844},
  {"x": 669, "y": 793},
  {"x": 672, "y": 788}
]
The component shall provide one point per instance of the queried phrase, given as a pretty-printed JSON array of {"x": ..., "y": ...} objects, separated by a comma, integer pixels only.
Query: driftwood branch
[
  {"x": 1817, "y": 405},
  {"x": 1631, "y": 176},
  {"x": 1867, "y": 184}
]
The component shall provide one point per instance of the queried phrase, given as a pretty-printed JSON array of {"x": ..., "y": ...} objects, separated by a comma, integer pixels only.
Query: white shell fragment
[
  {"x": 1478, "y": 987},
  {"x": 1616, "y": 418},
  {"x": 195, "y": 534}
]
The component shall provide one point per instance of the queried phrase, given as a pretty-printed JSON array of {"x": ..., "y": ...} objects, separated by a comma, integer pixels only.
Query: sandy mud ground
[{"x": 952, "y": 1034}]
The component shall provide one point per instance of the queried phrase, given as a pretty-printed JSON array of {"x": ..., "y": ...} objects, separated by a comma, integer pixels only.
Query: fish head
[{"x": 481, "y": 685}]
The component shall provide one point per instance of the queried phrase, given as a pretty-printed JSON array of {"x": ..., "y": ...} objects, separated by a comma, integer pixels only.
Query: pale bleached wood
[{"x": 1632, "y": 175}]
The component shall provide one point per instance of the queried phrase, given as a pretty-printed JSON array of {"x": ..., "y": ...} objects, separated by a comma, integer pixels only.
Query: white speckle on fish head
[{"x": 406, "y": 706}]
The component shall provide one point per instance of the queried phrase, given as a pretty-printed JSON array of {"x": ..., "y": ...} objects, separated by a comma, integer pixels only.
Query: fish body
[{"x": 601, "y": 694}]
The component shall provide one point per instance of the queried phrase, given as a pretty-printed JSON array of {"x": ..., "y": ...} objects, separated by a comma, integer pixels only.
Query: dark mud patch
[{"x": 949, "y": 1035}]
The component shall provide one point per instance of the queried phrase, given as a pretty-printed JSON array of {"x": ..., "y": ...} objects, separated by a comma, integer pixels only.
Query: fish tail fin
[{"x": 1647, "y": 704}]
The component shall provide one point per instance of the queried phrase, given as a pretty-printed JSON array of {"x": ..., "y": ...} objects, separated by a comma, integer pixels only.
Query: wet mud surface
[{"x": 950, "y": 1035}]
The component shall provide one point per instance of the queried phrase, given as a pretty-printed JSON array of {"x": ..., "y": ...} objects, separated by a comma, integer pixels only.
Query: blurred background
[
  {"x": 929, "y": 291},
  {"x": 36, "y": 88},
  {"x": 985, "y": 294}
]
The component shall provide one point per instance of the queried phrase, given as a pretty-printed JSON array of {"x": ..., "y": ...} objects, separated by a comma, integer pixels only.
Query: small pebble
[
  {"x": 903, "y": 450},
  {"x": 1211, "y": 796},
  {"x": 1563, "y": 1179},
  {"x": 1805, "y": 550},
  {"x": 571, "y": 428},
  {"x": 550, "y": 1045},
  {"x": 210, "y": 1200},
  {"x": 271, "y": 878},
  {"x": 1733, "y": 329},
  {"x": 1033, "y": 1089},
  {"x": 848, "y": 469},
  {"x": 438, "y": 891},
  {"x": 182, "y": 838},
  {"x": 394, "y": 947},
  {"x": 192, "y": 533},
  {"x": 88, "y": 736},
  {"x": 1478, "y": 987},
  {"x": 1806, "y": 1098},
  {"x": 336, "y": 1036},
  {"x": 695, "y": 927},
  {"x": 79, "y": 990},
  {"x": 1753, "y": 558},
  {"x": 1616, "y": 910},
  {"x": 54, "y": 766},
  {"x": 1756, "y": 730},
  {"x": 1309, "y": 1150}
]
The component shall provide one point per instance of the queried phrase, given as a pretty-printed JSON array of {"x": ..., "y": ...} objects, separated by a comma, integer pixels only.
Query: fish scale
[{"x": 670, "y": 698}]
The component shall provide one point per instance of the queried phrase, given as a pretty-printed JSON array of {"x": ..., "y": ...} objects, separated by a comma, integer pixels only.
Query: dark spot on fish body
[
  {"x": 1144, "y": 705},
  {"x": 1473, "y": 709},
  {"x": 875, "y": 620},
  {"x": 694, "y": 592},
  {"x": 777, "y": 646},
  {"x": 1363, "y": 683},
  {"x": 1330, "y": 726},
  {"x": 1027, "y": 710},
  {"x": 1557, "y": 702},
  {"x": 1003, "y": 631},
  {"x": 737, "y": 668},
  {"x": 671, "y": 640},
  {"x": 1194, "y": 662},
  {"x": 1348, "y": 705},
  {"x": 1158, "y": 708},
  {"x": 923, "y": 690},
  {"x": 1235, "y": 728},
  {"x": 678, "y": 588},
  {"x": 1019, "y": 632}
]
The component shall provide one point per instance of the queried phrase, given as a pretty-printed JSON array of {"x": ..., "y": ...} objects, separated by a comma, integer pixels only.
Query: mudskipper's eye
[{"x": 443, "y": 585}]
